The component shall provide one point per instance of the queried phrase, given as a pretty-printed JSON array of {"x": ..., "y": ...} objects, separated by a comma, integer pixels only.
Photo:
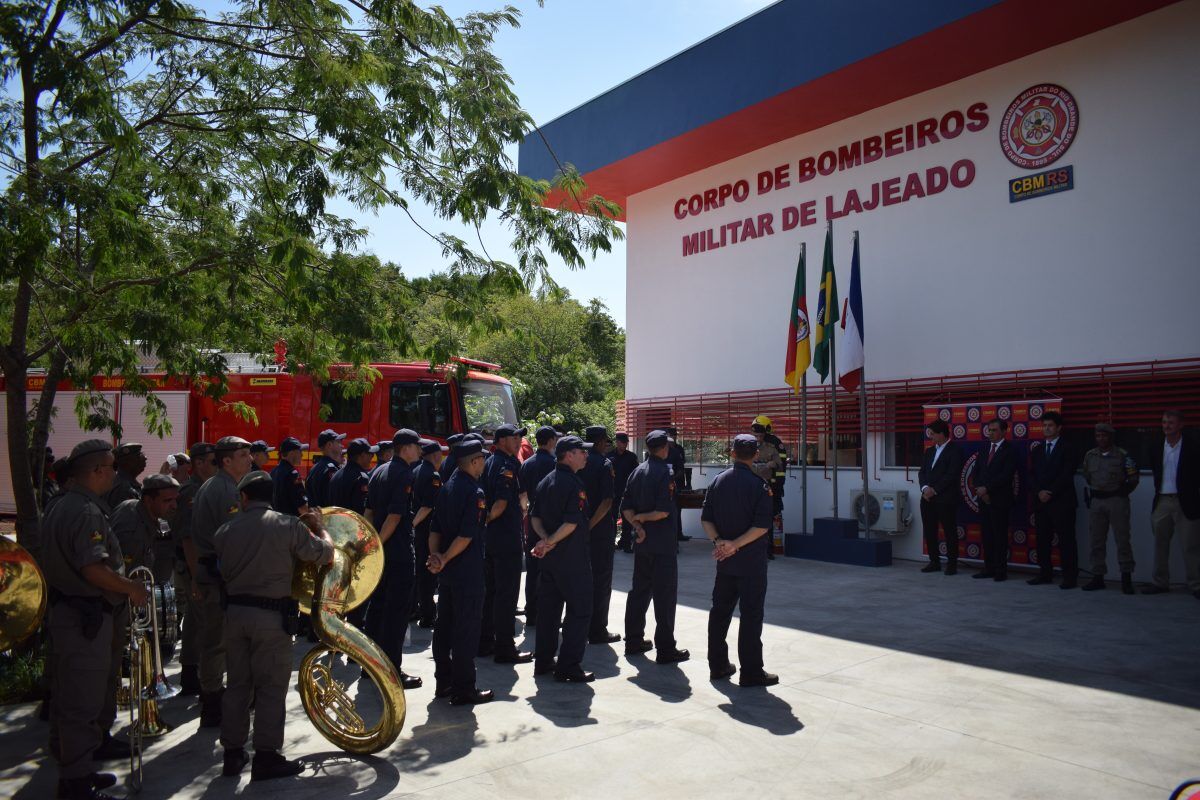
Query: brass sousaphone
[{"x": 327, "y": 594}]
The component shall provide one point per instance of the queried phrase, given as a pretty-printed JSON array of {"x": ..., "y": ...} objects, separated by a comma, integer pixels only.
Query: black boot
[
  {"x": 96, "y": 781},
  {"x": 189, "y": 680},
  {"x": 268, "y": 764},
  {"x": 111, "y": 749},
  {"x": 81, "y": 789},
  {"x": 235, "y": 761},
  {"x": 210, "y": 709},
  {"x": 1126, "y": 583}
]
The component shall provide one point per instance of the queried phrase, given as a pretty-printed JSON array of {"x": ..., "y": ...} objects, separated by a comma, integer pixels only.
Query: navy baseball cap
[
  {"x": 545, "y": 434},
  {"x": 291, "y": 443},
  {"x": 386, "y": 444},
  {"x": 405, "y": 436},
  {"x": 467, "y": 448},
  {"x": 568, "y": 443},
  {"x": 329, "y": 435},
  {"x": 454, "y": 439},
  {"x": 657, "y": 438},
  {"x": 429, "y": 447},
  {"x": 596, "y": 433},
  {"x": 259, "y": 446},
  {"x": 745, "y": 443},
  {"x": 508, "y": 429},
  {"x": 359, "y": 446},
  {"x": 622, "y": 437}
]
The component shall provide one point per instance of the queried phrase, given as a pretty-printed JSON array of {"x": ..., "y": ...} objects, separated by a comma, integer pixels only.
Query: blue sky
[{"x": 562, "y": 56}]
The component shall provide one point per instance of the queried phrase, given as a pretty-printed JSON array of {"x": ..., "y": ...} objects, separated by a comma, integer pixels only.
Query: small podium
[{"x": 836, "y": 539}]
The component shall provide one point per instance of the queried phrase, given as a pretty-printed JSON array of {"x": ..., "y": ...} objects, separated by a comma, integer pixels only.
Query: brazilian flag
[{"x": 827, "y": 309}]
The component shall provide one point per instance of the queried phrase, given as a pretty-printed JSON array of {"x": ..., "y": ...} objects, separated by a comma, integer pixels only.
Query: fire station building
[{"x": 1022, "y": 179}]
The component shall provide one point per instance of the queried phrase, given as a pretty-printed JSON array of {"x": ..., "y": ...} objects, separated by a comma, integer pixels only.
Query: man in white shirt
[{"x": 1176, "y": 505}]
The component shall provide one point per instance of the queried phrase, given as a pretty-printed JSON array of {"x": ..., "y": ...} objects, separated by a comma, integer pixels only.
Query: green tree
[{"x": 169, "y": 176}]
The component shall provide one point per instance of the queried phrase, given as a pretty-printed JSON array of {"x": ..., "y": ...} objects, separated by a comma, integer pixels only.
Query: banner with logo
[{"x": 966, "y": 421}]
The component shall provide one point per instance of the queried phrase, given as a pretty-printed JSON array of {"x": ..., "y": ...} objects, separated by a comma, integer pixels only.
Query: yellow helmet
[{"x": 761, "y": 421}]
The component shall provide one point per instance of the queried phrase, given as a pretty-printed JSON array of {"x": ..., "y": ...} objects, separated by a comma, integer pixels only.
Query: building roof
[{"x": 793, "y": 67}]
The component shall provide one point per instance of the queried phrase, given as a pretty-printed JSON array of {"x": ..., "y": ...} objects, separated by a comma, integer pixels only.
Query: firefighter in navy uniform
[
  {"x": 260, "y": 454},
  {"x": 131, "y": 462},
  {"x": 384, "y": 454},
  {"x": 389, "y": 498},
  {"x": 624, "y": 462},
  {"x": 536, "y": 467},
  {"x": 450, "y": 463},
  {"x": 258, "y": 550},
  {"x": 204, "y": 466},
  {"x": 82, "y": 564},
  {"x": 677, "y": 461},
  {"x": 599, "y": 480},
  {"x": 737, "y": 516},
  {"x": 427, "y": 485},
  {"x": 503, "y": 550},
  {"x": 289, "y": 495},
  {"x": 461, "y": 511},
  {"x": 324, "y": 467},
  {"x": 216, "y": 503},
  {"x": 649, "y": 507},
  {"x": 348, "y": 486},
  {"x": 560, "y": 517}
]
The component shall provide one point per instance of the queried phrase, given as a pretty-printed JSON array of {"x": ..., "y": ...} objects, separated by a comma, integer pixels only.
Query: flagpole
[
  {"x": 833, "y": 391},
  {"x": 804, "y": 417},
  {"x": 862, "y": 387}
]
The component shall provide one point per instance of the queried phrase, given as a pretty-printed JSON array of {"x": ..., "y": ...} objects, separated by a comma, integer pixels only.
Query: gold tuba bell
[{"x": 328, "y": 593}]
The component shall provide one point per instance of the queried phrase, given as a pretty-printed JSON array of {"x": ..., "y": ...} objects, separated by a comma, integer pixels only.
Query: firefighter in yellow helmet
[{"x": 771, "y": 462}]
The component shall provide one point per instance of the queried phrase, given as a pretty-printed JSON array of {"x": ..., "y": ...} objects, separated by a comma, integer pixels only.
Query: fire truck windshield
[{"x": 487, "y": 404}]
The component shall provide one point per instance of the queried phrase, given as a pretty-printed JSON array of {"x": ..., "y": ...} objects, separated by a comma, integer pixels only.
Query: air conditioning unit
[{"x": 886, "y": 509}]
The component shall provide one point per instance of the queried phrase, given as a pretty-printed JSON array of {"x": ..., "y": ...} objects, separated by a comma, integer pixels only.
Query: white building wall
[{"x": 962, "y": 281}]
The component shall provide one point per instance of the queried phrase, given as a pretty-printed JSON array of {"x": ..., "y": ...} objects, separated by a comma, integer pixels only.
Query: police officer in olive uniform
[
  {"x": 676, "y": 460},
  {"x": 1110, "y": 476},
  {"x": 323, "y": 468},
  {"x": 533, "y": 469},
  {"x": 461, "y": 511},
  {"x": 737, "y": 515},
  {"x": 258, "y": 550},
  {"x": 503, "y": 548},
  {"x": 389, "y": 498},
  {"x": 599, "y": 481},
  {"x": 427, "y": 485},
  {"x": 289, "y": 494},
  {"x": 560, "y": 517},
  {"x": 649, "y": 507},
  {"x": 82, "y": 563},
  {"x": 138, "y": 525},
  {"x": 260, "y": 454},
  {"x": 131, "y": 462},
  {"x": 204, "y": 466},
  {"x": 624, "y": 462},
  {"x": 216, "y": 503},
  {"x": 348, "y": 487}
]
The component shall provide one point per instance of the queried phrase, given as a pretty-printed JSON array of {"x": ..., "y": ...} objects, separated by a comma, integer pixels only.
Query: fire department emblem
[
  {"x": 1004, "y": 412},
  {"x": 973, "y": 414},
  {"x": 1019, "y": 430},
  {"x": 944, "y": 415},
  {"x": 1035, "y": 412},
  {"x": 1039, "y": 126},
  {"x": 960, "y": 431}
]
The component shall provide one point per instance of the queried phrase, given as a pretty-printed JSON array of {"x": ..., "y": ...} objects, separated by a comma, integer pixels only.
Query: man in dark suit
[
  {"x": 1053, "y": 464},
  {"x": 1176, "y": 505},
  {"x": 938, "y": 478},
  {"x": 994, "y": 470}
]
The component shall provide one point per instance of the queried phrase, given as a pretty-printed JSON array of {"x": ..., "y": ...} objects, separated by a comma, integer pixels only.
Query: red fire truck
[{"x": 432, "y": 401}]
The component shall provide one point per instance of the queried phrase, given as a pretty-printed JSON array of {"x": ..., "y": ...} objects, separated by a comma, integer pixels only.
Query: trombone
[{"x": 145, "y": 672}]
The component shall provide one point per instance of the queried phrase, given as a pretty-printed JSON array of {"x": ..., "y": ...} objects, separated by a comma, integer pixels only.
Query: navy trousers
[
  {"x": 502, "y": 585},
  {"x": 655, "y": 577},
  {"x": 749, "y": 594},
  {"x": 456, "y": 636},
  {"x": 572, "y": 588},
  {"x": 391, "y": 602}
]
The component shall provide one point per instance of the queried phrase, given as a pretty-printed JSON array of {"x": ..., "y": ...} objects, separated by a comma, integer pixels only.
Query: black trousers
[
  {"x": 1052, "y": 520},
  {"x": 532, "y": 568},
  {"x": 391, "y": 602},
  {"x": 558, "y": 588},
  {"x": 944, "y": 515},
  {"x": 602, "y": 571},
  {"x": 456, "y": 636},
  {"x": 502, "y": 584},
  {"x": 994, "y": 521},
  {"x": 749, "y": 594},
  {"x": 426, "y": 582},
  {"x": 655, "y": 577}
]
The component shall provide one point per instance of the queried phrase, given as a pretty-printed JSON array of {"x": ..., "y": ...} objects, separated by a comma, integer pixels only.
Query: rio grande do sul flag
[
  {"x": 850, "y": 372},
  {"x": 799, "y": 352},
  {"x": 827, "y": 309}
]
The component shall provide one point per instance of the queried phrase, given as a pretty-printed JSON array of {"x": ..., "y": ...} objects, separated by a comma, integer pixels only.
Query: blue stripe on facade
[{"x": 781, "y": 47}]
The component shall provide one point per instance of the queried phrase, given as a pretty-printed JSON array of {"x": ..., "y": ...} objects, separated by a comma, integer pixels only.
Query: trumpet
[{"x": 145, "y": 673}]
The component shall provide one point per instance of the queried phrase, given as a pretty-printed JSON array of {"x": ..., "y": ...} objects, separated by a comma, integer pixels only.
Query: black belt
[
  {"x": 254, "y": 601},
  {"x": 80, "y": 602},
  {"x": 1098, "y": 494}
]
